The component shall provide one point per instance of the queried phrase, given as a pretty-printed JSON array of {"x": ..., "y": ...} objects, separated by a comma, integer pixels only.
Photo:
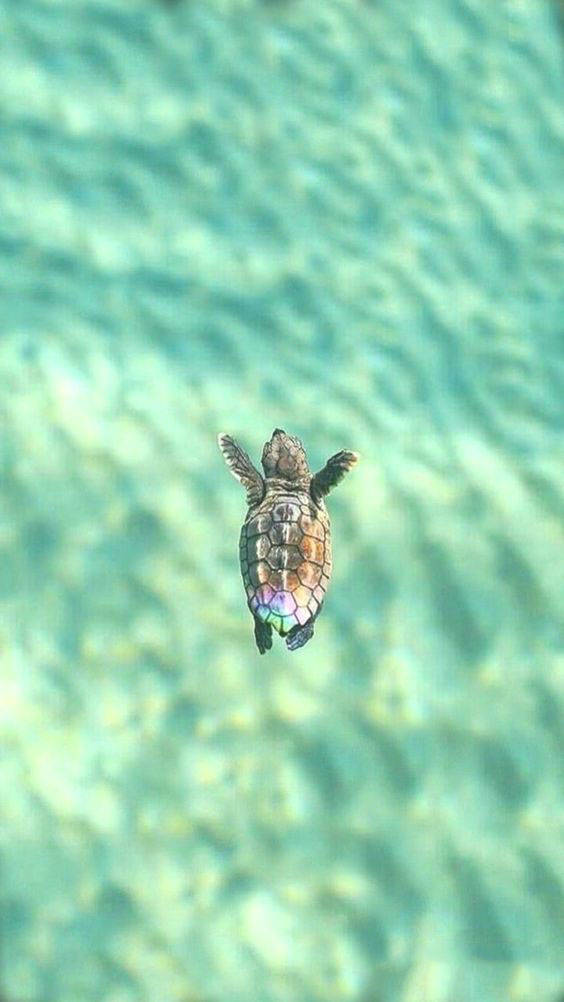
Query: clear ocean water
[{"x": 344, "y": 218}]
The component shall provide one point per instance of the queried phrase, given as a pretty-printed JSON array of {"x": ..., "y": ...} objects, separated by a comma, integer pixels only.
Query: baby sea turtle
[{"x": 285, "y": 544}]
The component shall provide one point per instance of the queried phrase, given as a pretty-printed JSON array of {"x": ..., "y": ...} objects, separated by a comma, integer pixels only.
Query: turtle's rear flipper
[
  {"x": 299, "y": 635},
  {"x": 263, "y": 635}
]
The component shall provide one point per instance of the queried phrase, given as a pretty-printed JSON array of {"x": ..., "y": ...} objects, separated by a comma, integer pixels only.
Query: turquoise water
[{"x": 345, "y": 219}]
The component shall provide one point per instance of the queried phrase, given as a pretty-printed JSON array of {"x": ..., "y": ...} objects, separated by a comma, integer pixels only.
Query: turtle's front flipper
[
  {"x": 242, "y": 468},
  {"x": 333, "y": 471},
  {"x": 263, "y": 635},
  {"x": 299, "y": 635}
]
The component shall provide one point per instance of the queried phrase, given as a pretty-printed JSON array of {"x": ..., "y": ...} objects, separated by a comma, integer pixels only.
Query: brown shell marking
[
  {"x": 312, "y": 549},
  {"x": 286, "y": 533}
]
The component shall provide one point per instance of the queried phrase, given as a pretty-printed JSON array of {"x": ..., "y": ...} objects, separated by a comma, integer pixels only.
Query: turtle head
[{"x": 284, "y": 457}]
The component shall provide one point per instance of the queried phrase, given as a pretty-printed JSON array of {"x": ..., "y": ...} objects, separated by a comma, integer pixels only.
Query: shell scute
[
  {"x": 259, "y": 524},
  {"x": 261, "y": 546},
  {"x": 312, "y": 549},
  {"x": 311, "y": 527},
  {"x": 283, "y": 603},
  {"x": 275, "y": 621},
  {"x": 286, "y": 533},
  {"x": 309, "y": 574},
  {"x": 302, "y": 595},
  {"x": 259, "y": 573},
  {"x": 283, "y": 580},
  {"x": 265, "y": 594},
  {"x": 285, "y": 511},
  {"x": 288, "y": 557},
  {"x": 291, "y": 581}
]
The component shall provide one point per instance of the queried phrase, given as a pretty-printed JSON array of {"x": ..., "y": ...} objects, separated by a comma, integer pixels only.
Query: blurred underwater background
[{"x": 344, "y": 218}]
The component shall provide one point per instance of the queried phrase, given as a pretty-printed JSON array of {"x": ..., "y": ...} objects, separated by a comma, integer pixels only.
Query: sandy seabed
[{"x": 344, "y": 219}]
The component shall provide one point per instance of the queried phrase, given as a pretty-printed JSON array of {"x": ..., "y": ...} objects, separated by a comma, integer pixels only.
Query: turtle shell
[{"x": 285, "y": 551}]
